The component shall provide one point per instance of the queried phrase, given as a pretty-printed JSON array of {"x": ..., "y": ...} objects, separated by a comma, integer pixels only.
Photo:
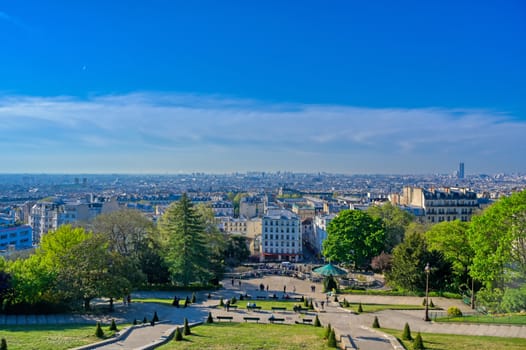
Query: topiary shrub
[
  {"x": 221, "y": 303},
  {"x": 186, "y": 301},
  {"x": 113, "y": 326},
  {"x": 327, "y": 332},
  {"x": 431, "y": 303},
  {"x": 454, "y": 311},
  {"x": 155, "y": 317},
  {"x": 335, "y": 298},
  {"x": 144, "y": 320},
  {"x": 360, "y": 308},
  {"x": 406, "y": 335},
  {"x": 135, "y": 322},
  {"x": 3, "y": 344},
  {"x": 345, "y": 303},
  {"x": 194, "y": 298},
  {"x": 178, "y": 334},
  {"x": 241, "y": 297},
  {"x": 331, "y": 342},
  {"x": 99, "y": 333},
  {"x": 186, "y": 330},
  {"x": 233, "y": 301},
  {"x": 418, "y": 343},
  {"x": 424, "y": 302},
  {"x": 311, "y": 305},
  {"x": 209, "y": 319},
  {"x": 376, "y": 324},
  {"x": 317, "y": 322},
  {"x": 306, "y": 303}
]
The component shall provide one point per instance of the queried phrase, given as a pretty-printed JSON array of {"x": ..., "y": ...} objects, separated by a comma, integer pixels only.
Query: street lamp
[{"x": 426, "y": 269}]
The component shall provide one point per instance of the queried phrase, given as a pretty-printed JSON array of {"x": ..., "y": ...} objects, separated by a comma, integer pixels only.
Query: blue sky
[{"x": 336, "y": 86}]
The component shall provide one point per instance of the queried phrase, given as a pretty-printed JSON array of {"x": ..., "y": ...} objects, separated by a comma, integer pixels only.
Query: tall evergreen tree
[{"x": 187, "y": 253}]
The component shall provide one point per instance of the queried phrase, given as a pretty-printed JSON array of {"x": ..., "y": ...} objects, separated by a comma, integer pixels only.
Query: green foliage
[
  {"x": 194, "y": 298},
  {"x": 345, "y": 303},
  {"x": 376, "y": 324},
  {"x": 3, "y": 344},
  {"x": 113, "y": 326},
  {"x": 408, "y": 263},
  {"x": 407, "y": 332},
  {"x": 144, "y": 320},
  {"x": 395, "y": 221},
  {"x": 418, "y": 343},
  {"x": 327, "y": 331},
  {"x": 186, "y": 330},
  {"x": 431, "y": 304},
  {"x": 155, "y": 317},
  {"x": 317, "y": 322},
  {"x": 329, "y": 283},
  {"x": 514, "y": 299},
  {"x": 221, "y": 303},
  {"x": 454, "y": 311},
  {"x": 236, "y": 250},
  {"x": 451, "y": 239},
  {"x": 331, "y": 342},
  {"x": 209, "y": 319},
  {"x": 99, "y": 333},
  {"x": 178, "y": 334},
  {"x": 360, "y": 308},
  {"x": 490, "y": 299},
  {"x": 497, "y": 237},
  {"x": 353, "y": 237},
  {"x": 188, "y": 254},
  {"x": 135, "y": 322},
  {"x": 424, "y": 302},
  {"x": 233, "y": 301}
]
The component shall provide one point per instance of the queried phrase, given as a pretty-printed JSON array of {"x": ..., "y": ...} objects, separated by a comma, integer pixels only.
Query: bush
[
  {"x": 144, "y": 320},
  {"x": 233, "y": 301},
  {"x": 327, "y": 332},
  {"x": 454, "y": 311},
  {"x": 331, "y": 342},
  {"x": 155, "y": 317},
  {"x": 241, "y": 297},
  {"x": 329, "y": 283},
  {"x": 407, "y": 333},
  {"x": 317, "y": 322},
  {"x": 306, "y": 303},
  {"x": 311, "y": 305},
  {"x": 418, "y": 344},
  {"x": 113, "y": 326},
  {"x": 3, "y": 344},
  {"x": 186, "y": 301},
  {"x": 134, "y": 321},
  {"x": 221, "y": 303},
  {"x": 424, "y": 302},
  {"x": 186, "y": 330},
  {"x": 431, "y": 303},
  {"x": 194, "y": 298},
  {"x": 99, "y": 333},
  {"x": 345, "y": 303},
  {"x": 376, "y": 324},
  {"x": 360, "y": 308},
  {"x": 178, "y": 334},
  {"x": 336, "y": 298}
]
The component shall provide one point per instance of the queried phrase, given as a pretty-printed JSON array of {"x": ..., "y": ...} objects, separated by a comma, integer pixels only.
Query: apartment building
[{"x": 281, "y": 238}]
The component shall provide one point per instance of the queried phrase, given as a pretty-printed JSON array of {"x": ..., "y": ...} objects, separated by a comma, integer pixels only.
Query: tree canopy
[
  {"x": 395, "y": 222},
  {"x": 353, "y": 237}
]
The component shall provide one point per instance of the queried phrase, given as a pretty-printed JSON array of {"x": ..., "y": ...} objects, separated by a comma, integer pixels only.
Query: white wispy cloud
[{"x": 166, "y": 132}]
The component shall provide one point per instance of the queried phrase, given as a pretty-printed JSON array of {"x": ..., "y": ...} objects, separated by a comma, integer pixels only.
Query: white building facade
[{"x": 281, "y": 238}]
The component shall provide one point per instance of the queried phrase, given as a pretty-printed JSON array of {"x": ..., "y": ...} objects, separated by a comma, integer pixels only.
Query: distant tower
[{"x": 461, "y": 170}]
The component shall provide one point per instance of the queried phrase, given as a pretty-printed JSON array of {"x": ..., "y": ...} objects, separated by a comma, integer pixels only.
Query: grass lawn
[
  {"x": 50, "y": 337},
  {"x": 380, "y": 307},
  {"x": 517, "y": 319},
  {"x": 268, "y": 304},
  {"x": 156, "y": 300},
  {"x": 461, "y": 342},
  {"x": 249, "y": 336}
]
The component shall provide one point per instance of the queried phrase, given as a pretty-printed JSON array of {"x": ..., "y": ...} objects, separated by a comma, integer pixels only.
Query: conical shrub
[
  {"x": 113, "y": 326},
  {"x": 360, "y": 308},
  {"x": 186, "y": 330},
  {"x": 99, "y": 333},
  {"x": 3, "y": 344},
  {"x": 431, "y": 303},
  {"x": 144, "y": 320},
  {"x": 134, "y": 321},
  {"x": 155, "y": 317},
  {"x": 327, "y": 332},
  {"x": 178, "y": 334},
  {"x": 317, "y": 322},
  {"x": 194, "y": 298},
  {"x": 331, "y": 342},
  {"x": 209, "y": 319},
  {"x": 418, "y": 343},
  {"x": 376, "y": 324},
  {"x": 406, "y": 335},
  {"x": 221, "y": 303}
]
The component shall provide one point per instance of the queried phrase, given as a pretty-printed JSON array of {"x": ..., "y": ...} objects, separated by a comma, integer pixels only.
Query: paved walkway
[{"x": 346, "y": 324}]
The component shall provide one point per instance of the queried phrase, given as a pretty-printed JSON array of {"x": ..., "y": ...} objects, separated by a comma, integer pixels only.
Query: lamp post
[{"x": 426, "y": 269}]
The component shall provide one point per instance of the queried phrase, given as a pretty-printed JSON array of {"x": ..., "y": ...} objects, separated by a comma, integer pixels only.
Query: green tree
[
  {"x": 353, "y": 237},
  {"x": 408, "y": 263},
  {"x": 451, "y": 239},
  {"x": 236, "y": 250},
  {"x": 187, "y": 252},
  {"x": 395, "y": 222},
  {"x": 498, "y": 239}
]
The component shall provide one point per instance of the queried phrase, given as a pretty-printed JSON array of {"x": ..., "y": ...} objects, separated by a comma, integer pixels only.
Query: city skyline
[{"x": 181, "y": 88}]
